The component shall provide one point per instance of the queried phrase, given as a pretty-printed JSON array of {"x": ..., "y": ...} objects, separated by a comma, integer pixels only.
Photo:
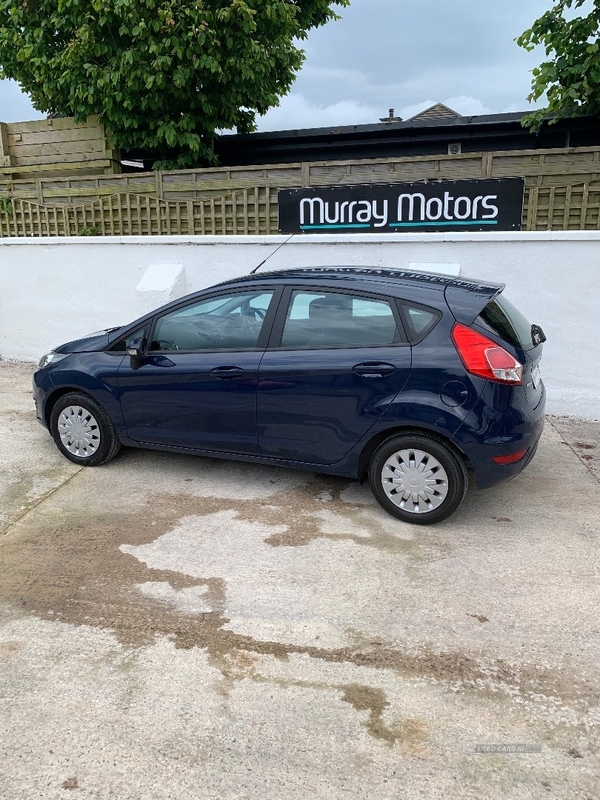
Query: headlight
[{"x": 51, "y": 358}]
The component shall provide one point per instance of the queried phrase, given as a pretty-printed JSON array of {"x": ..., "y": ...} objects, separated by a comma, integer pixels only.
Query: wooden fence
[
  {"x": 248, "y": 211},
  {"x": 54, "y": 147},
  {"x": 562, "y": 192}
]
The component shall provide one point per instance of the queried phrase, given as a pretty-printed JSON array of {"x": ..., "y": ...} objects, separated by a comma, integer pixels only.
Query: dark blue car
[{"x": 410, "y": 379}]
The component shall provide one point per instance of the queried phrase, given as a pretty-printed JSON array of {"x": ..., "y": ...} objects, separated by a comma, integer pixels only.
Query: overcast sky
[{"x": 405, "y": 54}]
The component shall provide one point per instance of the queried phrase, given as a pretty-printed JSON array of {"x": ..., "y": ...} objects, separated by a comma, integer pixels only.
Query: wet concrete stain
[
  {"x": 573, "y": 433},
  {"x": 410, "y": 732},
  {"x": 11, "y": 414},
  {"x": 305, "y": 518},
  {"x": 15, "y": 496},
  {"x": 308, "y": 529},
  {"x": 10, "y": 649},
  {"x": 365, "y": 698},
  {"x": 21, "y": 496},
  {"x": 66, "y": 565},
  {"x": 307, "y": 514}
]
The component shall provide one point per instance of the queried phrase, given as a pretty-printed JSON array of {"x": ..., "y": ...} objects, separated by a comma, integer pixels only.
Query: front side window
[
  {"x": 331, "y": 319},
  {"x": 227, "y": 322}
]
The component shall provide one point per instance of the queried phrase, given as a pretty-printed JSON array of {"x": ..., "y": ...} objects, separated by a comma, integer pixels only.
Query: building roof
[
  {"x": 437, "y": 111},
  {"x": 424, "y": 134}
]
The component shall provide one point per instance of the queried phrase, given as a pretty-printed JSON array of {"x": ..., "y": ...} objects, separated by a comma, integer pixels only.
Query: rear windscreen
[{"x": 506, "y": 321}]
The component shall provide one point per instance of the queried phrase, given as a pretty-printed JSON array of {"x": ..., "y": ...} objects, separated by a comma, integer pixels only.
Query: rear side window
[
  {"x": 418, "y": 321},
  {"x": 507, "y": 322},
  {"x": 331, "y": 319}
]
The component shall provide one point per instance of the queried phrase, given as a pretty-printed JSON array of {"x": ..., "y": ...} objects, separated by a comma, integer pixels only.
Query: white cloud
[
  {"x": 295, "y": 112},
  {"x": 384, "y": 53},
  {"x": 464, "y": 105}
]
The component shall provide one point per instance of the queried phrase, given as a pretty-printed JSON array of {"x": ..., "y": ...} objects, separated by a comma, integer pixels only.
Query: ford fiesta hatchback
[{"x": 411, "y": 380}]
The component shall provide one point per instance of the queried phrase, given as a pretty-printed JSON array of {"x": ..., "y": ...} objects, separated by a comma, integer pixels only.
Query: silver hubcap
[
  {"x": 414, "y": 481},
  {"x": 79, "y": 431}
]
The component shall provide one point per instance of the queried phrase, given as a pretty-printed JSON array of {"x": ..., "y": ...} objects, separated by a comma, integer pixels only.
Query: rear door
[{"x": 336, "y": 361}]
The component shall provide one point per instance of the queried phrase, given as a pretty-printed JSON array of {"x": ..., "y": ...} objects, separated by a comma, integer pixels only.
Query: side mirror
[{"x": 136, "y": 350}]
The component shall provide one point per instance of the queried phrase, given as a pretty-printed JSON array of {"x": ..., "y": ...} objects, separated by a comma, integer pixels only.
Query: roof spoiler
[{"x": 466, "y": 304}]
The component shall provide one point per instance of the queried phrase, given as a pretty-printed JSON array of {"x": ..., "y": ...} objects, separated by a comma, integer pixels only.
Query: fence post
[{"x": 6, "y": 159}]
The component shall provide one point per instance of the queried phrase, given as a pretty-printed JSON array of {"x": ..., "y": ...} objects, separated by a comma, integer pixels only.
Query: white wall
[{"x": 53, "y": 290}]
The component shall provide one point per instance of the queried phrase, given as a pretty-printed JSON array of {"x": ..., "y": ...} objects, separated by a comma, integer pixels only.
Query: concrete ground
[{"x": 178, "y": 627}]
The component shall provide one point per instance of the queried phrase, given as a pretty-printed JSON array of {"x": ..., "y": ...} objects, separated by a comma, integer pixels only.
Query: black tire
[
  {"x": 83, "y": 431},
  {"x": 436, "y": 473}
]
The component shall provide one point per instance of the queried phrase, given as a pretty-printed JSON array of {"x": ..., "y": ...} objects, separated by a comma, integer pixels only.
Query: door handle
[
  {"x": 373, "y": 369},
  {"x": 222, "y": 373}
]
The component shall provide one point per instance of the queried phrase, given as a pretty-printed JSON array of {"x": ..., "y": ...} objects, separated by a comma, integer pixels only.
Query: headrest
[{"x": 330, "y": 306}]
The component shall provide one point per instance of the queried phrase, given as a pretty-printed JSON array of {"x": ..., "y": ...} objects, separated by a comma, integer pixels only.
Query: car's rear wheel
[
  {"x": 417, "y": 479},
  {"x": 83, "y": 431}
]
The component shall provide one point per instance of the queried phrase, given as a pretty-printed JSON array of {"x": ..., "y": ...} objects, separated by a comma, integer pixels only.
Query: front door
[{"x": 197, "y": 386}]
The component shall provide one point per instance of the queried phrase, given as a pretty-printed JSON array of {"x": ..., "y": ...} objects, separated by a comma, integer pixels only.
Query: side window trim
[
  {"x": 400, "y": 338},
  {"x": 277, "y": 328},
  {"x": 266, "y": 331}
]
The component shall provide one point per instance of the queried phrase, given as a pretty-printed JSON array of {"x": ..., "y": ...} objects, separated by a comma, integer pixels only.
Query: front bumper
[{"x": 40, "y": 385}]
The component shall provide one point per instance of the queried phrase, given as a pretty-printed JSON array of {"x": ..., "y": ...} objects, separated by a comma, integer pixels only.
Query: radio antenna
[{"x": 272, "y": 254}]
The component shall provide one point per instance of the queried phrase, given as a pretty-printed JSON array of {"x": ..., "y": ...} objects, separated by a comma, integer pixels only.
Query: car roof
[{"x": 400, "y": 277}]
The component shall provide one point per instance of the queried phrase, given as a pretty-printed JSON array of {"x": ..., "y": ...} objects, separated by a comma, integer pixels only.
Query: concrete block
[{"x": 160, "y": 284}]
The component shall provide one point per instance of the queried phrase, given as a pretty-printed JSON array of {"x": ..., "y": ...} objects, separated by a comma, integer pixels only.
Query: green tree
[
  {"x": 163, "y": 75},
  {"x": 570, "y": 78}
]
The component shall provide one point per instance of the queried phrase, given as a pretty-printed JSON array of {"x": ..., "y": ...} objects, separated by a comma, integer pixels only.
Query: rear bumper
[{"x": 490, "y": 431}]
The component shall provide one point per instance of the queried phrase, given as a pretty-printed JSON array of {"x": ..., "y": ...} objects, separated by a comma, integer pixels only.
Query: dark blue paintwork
[
  {"x": 95, "y": 341},
  {"x": 175, "y": 400},
  {"x": 326, "y": 398},
  {"x": 318, "y": 409}
]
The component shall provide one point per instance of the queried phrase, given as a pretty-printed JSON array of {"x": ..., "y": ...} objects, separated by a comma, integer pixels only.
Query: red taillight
[
  {"x": 511, "y": 459},
  {"x": 485, "y": 358}
]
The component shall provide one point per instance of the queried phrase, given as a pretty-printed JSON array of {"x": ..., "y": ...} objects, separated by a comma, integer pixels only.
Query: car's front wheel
[
  {"x": 83, "y": 431},
  {"x": 417, "y": 479}
]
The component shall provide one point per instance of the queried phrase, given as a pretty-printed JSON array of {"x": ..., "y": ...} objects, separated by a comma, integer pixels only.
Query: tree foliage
[
  {"x": 163, "y": 75},
  {"x": 570, "y": 78}
]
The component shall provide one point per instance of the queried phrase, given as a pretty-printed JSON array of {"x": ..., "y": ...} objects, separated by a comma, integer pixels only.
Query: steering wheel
[
  {"x": 165, "y": 344},
  {"x": 253, "y": 317}
]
